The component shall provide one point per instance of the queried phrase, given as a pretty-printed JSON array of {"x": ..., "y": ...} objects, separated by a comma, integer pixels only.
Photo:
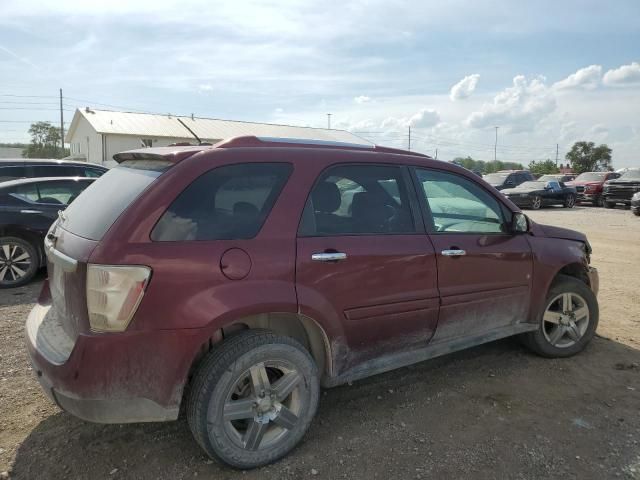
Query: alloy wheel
[
  {"x": 263, "y": 405},
  {"x": 565, "y": 320},
  {"x": 570, "y": 202},
  {"x": 536, "y": 203},
  {"x": 15, "y": 262}
]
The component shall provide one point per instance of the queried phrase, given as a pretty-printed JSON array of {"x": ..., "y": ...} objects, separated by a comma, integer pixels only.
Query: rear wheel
[
  {"x": 637, "y": 212},
  {"x": 568, "y": 322},
  {"x": 536, "y": 202},
  {"x": 253, "y": 398},
  {"x": 18, "y": 262},
  {"x": 569, "y": 201}
]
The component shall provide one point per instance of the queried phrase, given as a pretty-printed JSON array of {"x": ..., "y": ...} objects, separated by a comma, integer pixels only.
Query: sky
[{"x": 547, "y": 73}]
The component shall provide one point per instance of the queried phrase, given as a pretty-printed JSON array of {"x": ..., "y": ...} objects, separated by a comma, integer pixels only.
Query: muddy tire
[
  {"x": 568, "y": 322},
  {"x": 253, "y": 398},
  {"x": 19, "y": 262}
]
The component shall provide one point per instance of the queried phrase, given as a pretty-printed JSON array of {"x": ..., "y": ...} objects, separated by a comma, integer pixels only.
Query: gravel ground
[{"x": 495, "y": 411}]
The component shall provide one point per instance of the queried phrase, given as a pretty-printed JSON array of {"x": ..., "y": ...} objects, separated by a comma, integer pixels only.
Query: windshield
[
  {"x": 495, "y": 178},
  {"x": 549, "y": 178},
  {"x": 97, "y": 208},
  {"x": 532, "y": 185},
  {"x": 631, "y": 175},
  {"x": 591, "y": 177}
]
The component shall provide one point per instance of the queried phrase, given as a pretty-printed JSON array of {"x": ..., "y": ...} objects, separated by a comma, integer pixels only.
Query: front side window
[
  {"x": 358, "y": 200},
  {"x": 226, "y": 203},
  {"x": 11, "y": 173},
  {"x": 458, "y": 205}
]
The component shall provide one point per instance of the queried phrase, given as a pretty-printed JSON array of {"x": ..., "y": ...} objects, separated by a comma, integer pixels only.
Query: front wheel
[
  {"x": 18, "y": 262},
  {"x": 609, "y": 204},
  {"x": 568, "y": 322},
  {"x": 569, "y": 201},
  {"x": 253, "y": 398},
  {"x": 536, "y": 202}
]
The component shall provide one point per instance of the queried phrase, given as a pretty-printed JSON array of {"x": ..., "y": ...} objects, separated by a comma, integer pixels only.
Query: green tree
[
  {"x": 45, "y": 142},
  {"x": 586, "y": 157},
  {"x": 542, "y": 168}
]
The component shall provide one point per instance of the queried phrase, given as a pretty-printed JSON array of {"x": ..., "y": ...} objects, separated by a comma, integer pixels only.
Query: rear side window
[
  {"x": 52, "y": 171},
  {"x": 226, "y": 203},
  {"x": 94, "y": 211},
  {"x": 358, "y": 200},
  {"x": 11, "y": 173}
]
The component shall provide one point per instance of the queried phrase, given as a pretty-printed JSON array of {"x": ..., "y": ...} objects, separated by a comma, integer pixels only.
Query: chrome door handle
[
  {"x": 328, "y": 257},
  {"x": 30, "y": 211},
  {"x": 453, "y": 253}
]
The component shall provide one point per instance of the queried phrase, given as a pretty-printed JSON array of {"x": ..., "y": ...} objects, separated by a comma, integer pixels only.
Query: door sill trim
[{"x": 403, "y": 359}]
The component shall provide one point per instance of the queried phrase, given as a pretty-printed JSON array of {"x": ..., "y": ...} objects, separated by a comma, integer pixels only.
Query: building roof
[{"x": 207, "y": 129}]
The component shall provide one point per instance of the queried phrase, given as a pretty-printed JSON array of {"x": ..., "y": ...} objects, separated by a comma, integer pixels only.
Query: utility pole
[
  {"x": 436, "y": 153},
  {"x": 557, "y": 148},
  {"x": 495, "y": 146},
  {"x": 61, "y": 124},
  {"x": 409, "y": 138},
  {"x": 329, "y": 121}
]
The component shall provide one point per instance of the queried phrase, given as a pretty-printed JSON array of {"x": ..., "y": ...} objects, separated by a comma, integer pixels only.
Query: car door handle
[
  {"x": 453, "y": 253},
  {"x": 328, "y": 257},
  {"x": 30, "y": 211}
]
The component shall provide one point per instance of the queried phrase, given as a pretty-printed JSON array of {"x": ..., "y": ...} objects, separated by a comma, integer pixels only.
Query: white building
[{"x": 96, "y": 135}]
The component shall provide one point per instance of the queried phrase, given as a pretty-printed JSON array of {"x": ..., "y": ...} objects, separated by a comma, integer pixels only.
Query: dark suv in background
[
  {"x": 12, "y": 169},
  {"x": 620, "y": 190},
  {"x": 508, "y": 178},
  {"x": 236, "y": 279}
]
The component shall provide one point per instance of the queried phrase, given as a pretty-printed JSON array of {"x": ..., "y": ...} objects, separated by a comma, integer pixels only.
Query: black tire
[
  {"x": 214, "y": 385},
  {"x": 569, "y": 201},
  {"x": 10, "y": 269},
  {"x": 608, "y": 204},
  {"x": 537, "y": 340},
  {"x": 598, "y": 201},
  {"x": 636, "y": 213}
]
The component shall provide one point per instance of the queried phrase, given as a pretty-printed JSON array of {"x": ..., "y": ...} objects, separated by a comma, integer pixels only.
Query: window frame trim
[
  {"x": 428, "y": 219},
  {"x": 412, "y": 198}
]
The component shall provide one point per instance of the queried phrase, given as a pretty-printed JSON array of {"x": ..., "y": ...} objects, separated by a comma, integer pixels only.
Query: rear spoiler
[{"x": 167, "y": 154}]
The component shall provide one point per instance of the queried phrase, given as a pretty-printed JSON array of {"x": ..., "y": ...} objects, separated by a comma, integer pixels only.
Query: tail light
[{"x": 113, "y": 295}]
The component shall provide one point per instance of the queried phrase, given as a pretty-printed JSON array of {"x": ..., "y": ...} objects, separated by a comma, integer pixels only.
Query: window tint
[
  {"x": 52, "y": 171},
  {"x": 458, "y": 205},
  {"x": 96, "y": 208},
  {"x": 358, "y": 199},
  {"x": 26, "y": 192},
  {"x": 89, "y": 172},
  {"x": 11, "y": 173},
  {"x": 225, "y": 203}
]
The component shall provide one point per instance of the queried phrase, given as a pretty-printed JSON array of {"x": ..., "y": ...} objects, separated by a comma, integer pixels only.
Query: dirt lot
[{"x": 495, "y": 411}]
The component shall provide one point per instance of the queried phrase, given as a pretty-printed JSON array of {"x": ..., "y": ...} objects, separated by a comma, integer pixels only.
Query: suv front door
[
  {"x": 364, "y": 264},
  {"x": 484, "y": 270}
]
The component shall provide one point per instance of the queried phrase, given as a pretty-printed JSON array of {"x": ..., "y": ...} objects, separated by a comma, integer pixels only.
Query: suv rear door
[
  {"x": 484, "y": 271},
  {"x": 364, "y": 264}
]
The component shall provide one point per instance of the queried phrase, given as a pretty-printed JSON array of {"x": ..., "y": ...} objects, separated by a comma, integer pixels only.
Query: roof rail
[{"x": 254, "y": 141}]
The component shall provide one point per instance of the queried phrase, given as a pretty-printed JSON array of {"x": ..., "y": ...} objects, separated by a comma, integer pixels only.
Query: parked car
[
  {"x": 12, "y": 169},
  {"x": 539, "y": 194},
  {"x": 508, "y": 178},
  {"x": 558, "y": 177},
  {"x": 620, "y": 190},
  {"x": 28, "y": 207},
  {"x": 589, "y": 186},
  {"x": 635, "y": 204},
  {"x": 234, "y": 280}
]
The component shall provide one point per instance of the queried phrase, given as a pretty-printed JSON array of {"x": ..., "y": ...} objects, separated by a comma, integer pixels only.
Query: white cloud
[
  {"x": 588, "y": 77},
  {"x": 464, "y": 88},
  {"x": 278, "y": 110},
  {"x": 362, "y": 99},
  {"x": 519, "y": 108},
  {"x": 425, "y": 118},
  {"x": 624, "y": 75},
  {"x": 205, "y": 87}
]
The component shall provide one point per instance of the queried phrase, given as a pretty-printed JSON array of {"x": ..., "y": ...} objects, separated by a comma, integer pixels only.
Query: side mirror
[{"x": 519, "y": 223}]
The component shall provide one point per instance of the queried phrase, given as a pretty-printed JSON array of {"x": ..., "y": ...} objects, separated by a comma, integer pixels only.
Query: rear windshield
[
  {"x": 631, "y": 175},
  {"x": 495, "y": 178},
  {"x": 98, "y": 207}
]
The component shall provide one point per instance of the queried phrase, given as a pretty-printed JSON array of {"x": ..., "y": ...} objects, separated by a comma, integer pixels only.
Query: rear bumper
[
  {"x": 112, "y": 378},
  {"x": 594, "y": 280}
]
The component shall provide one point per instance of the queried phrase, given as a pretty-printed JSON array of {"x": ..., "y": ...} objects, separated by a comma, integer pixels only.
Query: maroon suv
[{"x": 236, "y": 279}]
